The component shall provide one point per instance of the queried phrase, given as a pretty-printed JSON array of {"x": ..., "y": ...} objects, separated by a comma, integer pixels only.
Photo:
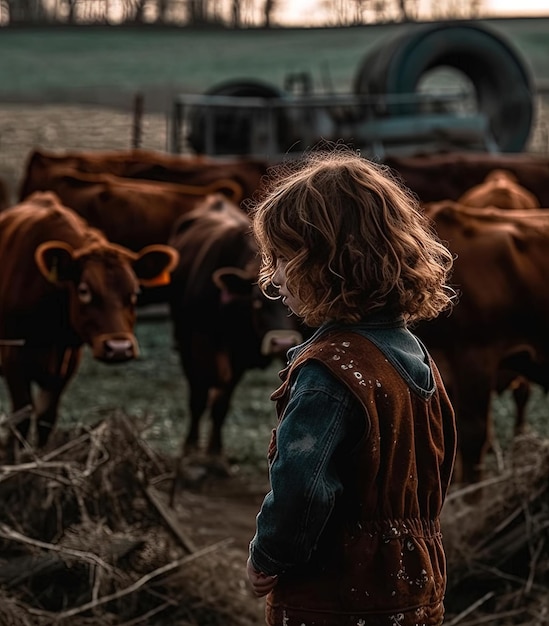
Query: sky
[
  {"x": 518, "y": 7},
  {"x": 300, "y": 11}
]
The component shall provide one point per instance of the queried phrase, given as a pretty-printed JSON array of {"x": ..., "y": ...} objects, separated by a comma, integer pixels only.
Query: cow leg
[
  {"x": 521, "y": 394},
  {"x": 474, "y": 435},
  {"x": 472, "y": 377},
  {"x": 198, "y": 401},
  {"x": 19, "y": 389},
  {"x": 47, "y": 398},
  {"x": 47, "y": 405},
  {"x": 495, "y": 447},
  {"x": 197, "y": 360},
  {"x": 219, "y": 410}
]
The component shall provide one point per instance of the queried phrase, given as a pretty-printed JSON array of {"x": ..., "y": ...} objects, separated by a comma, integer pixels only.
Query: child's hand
[{"x": 261, "y": 583}]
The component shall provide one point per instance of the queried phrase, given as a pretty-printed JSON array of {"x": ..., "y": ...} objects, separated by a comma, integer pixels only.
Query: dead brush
[
  {"x": 498, "y": 549},
  {"x": 86, "y": 538}
]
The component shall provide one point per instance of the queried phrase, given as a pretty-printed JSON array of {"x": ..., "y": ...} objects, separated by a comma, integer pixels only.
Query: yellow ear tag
[{"x": 53, "y": 274}]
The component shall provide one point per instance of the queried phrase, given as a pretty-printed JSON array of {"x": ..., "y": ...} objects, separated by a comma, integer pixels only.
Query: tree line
[{"x": 226, "y": 13}]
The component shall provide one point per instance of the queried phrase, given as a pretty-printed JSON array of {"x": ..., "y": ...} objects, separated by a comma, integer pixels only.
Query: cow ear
[
  {"x": 154, "y": 264},
  {"x": 233, "y": 282},
  {"x": 55, "y": 261}
]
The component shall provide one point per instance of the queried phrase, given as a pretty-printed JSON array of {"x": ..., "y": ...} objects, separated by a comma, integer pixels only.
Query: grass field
[
  {"x": 152, "y": 392},
  {"x": 62, "y": 64}
]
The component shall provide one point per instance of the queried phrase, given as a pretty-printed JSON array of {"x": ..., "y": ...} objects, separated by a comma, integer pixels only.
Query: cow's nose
[
  {"x": 279, "y": 341},
  {"x": 114, "y": 347},
  {"x": 118, "y": 350}
]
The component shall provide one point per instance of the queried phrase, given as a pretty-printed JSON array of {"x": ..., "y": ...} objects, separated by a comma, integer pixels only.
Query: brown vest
[{"x": 380, "y": 560}]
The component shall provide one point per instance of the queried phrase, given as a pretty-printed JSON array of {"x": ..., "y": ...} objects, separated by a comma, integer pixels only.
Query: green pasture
[
  {"x": 152, "y": 392},
  {"x": 69, "y": 64}
]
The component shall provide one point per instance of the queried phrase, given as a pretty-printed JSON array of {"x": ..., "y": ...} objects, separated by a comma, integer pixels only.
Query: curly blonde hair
[{"x": 354, "y": 238}]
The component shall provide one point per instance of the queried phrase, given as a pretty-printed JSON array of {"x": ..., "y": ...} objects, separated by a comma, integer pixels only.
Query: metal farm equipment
[{"x": 388, "y": 111}]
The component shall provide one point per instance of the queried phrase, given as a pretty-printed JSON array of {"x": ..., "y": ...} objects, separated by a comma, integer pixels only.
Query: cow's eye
[
  {"x": 257, "y": 304},
  {"x": 84, "y": 293}
]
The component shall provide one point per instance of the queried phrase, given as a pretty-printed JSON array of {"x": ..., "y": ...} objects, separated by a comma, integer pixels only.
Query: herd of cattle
[{"x": 94, "y": 234}]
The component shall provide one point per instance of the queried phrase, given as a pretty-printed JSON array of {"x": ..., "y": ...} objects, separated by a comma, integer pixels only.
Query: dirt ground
[{"x": 222, "y": 508}]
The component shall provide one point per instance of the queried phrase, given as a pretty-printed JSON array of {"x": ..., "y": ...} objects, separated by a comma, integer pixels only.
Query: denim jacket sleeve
[{"x": 303, "y": 475}]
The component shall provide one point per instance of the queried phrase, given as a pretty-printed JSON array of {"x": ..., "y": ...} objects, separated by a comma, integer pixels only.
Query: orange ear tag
[{"x": 162, "y": 279}]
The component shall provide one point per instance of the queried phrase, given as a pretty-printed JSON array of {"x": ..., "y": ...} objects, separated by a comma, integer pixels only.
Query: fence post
[{"x": 137, "y": 120}]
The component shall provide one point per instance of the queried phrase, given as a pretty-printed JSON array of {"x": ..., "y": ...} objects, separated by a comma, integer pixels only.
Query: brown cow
[
  {"x": 4, "y": 195},
  {"x": 501, "y": 318},
  {"x": 132, "y": 213},
  {"x": 499, "y": 189},
  {"x": 64, "y": 285},
  {"x": 223, "y": 325},
  {"x": 447, "y": 176},
  {"x": 242, "y": 176}
]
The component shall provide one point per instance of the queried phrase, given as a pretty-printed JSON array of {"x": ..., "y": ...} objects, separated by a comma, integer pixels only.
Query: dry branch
[
  {"x": 86, "y": 539},
  {"x": 90, "y": 510},
  {"x": 498, "y": 556},
  {"x": 134, "y": 587},
  {"x": 12, "y": 535}
]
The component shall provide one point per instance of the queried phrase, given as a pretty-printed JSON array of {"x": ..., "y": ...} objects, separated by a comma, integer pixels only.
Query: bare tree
[
  {"x": 134, "y": 10},
  {"x": 94, "y": 11},
  {"x": 338, "y": 11},
  {"x": 166, "y": 11},
  {"x": 198, "y": 12},
  {"x": 139, "y": 11},
  {"x": 25, "y": 11},
  {"x": 4, "y": 12},
  {"x": 370, "y": 11},
  {"x": 235, "y": 14},
  {"x": 343, "y": 12},
  {"x": 70, "y": 7},
  {"x": 163, "y": 11},
  {"x": 269, "y": 8},
  {"x": 171, "y": 11},
  {"x": 403, "y": 10},
  {"x": 456, "y": 9}
]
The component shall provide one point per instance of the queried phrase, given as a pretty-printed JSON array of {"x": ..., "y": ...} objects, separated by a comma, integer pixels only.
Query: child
[{"x": 364, "y": 449}]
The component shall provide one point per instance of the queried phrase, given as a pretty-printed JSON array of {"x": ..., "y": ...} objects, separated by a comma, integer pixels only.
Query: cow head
[
  {"x": 273, "y": 329},
  {"x": 102, "y": 283},
  {"x": 500, "y": 189}
]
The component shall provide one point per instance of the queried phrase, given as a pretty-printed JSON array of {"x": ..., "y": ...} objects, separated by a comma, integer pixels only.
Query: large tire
[
  {"x": 233, "y": 126},
  {"x": 501, "y": 80}
]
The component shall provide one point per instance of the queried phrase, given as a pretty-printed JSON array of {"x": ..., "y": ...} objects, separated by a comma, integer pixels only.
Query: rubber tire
[
  {"x": 232, "y": 134},
  {"x": 502, "y": 82}
]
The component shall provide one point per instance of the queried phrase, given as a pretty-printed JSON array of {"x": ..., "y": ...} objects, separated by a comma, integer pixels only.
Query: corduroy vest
[{"x": 380, "y": 560}]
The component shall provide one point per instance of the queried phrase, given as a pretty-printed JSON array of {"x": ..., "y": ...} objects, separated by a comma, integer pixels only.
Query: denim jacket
[{"x": 322, "y": 418}]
